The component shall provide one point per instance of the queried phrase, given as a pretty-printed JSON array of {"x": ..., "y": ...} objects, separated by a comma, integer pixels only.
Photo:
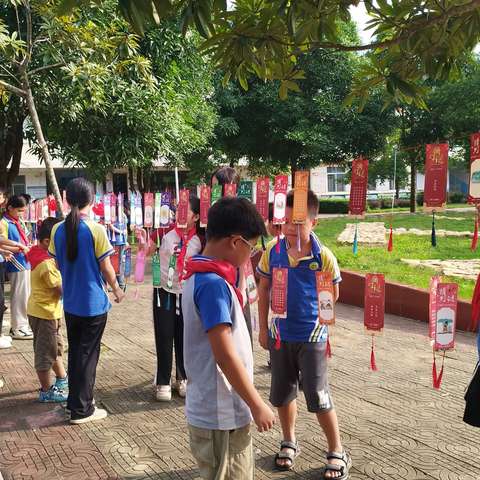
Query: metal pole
[{"x": 177, "y": 185}]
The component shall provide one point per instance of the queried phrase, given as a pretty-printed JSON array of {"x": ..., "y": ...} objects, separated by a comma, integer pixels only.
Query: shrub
[
  {"x": 333, "y": 205},
  {"x": 457, "y": 197},
  {"x": 420, "y": 199}
]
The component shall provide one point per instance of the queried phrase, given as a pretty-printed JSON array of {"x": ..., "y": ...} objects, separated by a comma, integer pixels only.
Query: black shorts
[{"x": 307, "y": 358}]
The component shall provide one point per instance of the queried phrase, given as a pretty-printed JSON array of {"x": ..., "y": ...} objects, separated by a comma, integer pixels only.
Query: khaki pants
[
  {"x": 223, "y": 454},
  {"x": 19, "y": 293}
]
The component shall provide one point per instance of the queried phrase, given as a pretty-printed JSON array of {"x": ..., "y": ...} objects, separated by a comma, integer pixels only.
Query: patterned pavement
[{"x": 393, "y": 422}]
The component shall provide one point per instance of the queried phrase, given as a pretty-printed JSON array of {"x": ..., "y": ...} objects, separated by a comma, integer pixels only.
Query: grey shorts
[
  {"x": 307, "y": 359},
  {"x": 47, "y": 341}
]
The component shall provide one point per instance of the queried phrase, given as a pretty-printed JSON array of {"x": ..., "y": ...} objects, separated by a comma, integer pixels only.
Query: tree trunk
[
  {"x": 37, "y": 126},
  {"x": 140, "y": 180},
  {"x": 413, "y": 183},
  {"x": 293, "y": 169},
  {"x": 131, "y": 183}
]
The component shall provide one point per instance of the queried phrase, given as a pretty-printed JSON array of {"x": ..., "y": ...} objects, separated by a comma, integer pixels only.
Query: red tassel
[
  {"x": 373, "y": 363},
  {"x": 328, "y": 351},
  {"x": 277, "y": 246},
  {"x": 475, "y": 306},
  {"x": 434, "y": 372},
  {"x": 277, "y": 339},
  {"x": 473, "y": 247},
  {"x": 439, "y": 379},
  {"x": 390, "y": 240}
]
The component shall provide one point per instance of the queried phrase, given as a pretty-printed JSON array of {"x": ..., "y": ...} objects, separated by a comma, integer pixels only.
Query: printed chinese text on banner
[
  {"x": 263, "y": 189},
  {"x": 182, "y": 208},
  {"x": 432, "y": 305},
  {"x": 358, "y": 189},
  {"x": 436, "y": 169},
  {"x": 474, "y": 186},
  {"x": 165, "y": 209},
  {"x": 300, "y": 197},
  {"x": 445, "y": 316},
  {"x": 374, "y": 309},
  {"x": 279, "y": 292},
  {"x": 280, "y": 199},
  {"x": 245, "y": 190},
  {"x": 216, "y": 193},
  {"x": 205, "y": 195},
  {"x": 326, "y": 298}
]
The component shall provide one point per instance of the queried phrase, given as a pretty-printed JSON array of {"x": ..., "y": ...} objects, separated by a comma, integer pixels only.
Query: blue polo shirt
[
  {"x": 9, "y": 230},
  {"x": 84, "y": 291}
]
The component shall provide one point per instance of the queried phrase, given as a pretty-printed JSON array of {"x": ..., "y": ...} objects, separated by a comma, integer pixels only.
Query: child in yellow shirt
[{"x": 45, "y": 317}]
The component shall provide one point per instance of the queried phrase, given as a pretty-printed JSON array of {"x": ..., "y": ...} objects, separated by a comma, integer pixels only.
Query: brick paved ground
[{"x": 393, "y": 422}]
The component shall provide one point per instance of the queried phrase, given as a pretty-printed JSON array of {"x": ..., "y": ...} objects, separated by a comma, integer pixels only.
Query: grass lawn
[{"x": 379, "y": 260}]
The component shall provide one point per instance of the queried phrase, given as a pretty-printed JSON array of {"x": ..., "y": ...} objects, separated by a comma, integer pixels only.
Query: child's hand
[
  {"x": 119, "y": 295},
  {"x": 263, "y": 338},
  {"x": 263, "y": 417}
]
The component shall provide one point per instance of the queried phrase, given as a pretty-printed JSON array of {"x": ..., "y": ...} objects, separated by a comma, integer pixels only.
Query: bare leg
[
  {"x": 329, "y": 423},
  {"x": 288, "y": 417},
  {"x": 45, "y": 379},
  {"x": 58, "y": 368}
]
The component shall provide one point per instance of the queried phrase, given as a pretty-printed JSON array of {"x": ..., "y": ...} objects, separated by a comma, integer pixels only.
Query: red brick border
[{"x": 400, "y": 299}]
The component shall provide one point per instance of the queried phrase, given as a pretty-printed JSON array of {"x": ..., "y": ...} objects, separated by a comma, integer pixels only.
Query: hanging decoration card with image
[
  {"x": 121, "y": 211},
  {"x": 65, "y": 205},
  {"x": 45, "y": 211},
  {"x": 263, "y": 190},
  {"x": 205, "y": 198},
  {"x": 432, "y": 305},
  {"x": 113, "y": 208},
  {"x": 436, "y": 171},
  {"x": 158, "y": 206},
  {"x": 52, "y": 206},
  {"x": 326, "y": 299},
  {"x": 280, "y": 199},
  {"x": 230, "y": 190},
  {"x": 278, "y": 292},
  {"x": 474, "y": 186},
  {"x": 133, "y": 201},
  {"x": 138, "y": 210},
  {"x": 165, "y": 210},
  {"x": 374, "y": 310},
  {"x": 149, "y": 203},
  {"x": 252, "y": 292},
  {"x": 216, "y": 193},
  {"x": 245, "y": 190},
  {"x": 182, "y": 208},
  {"x": 156, "y": 269},
  {"x": 446, "y": 316},
  {"x": 107, "y": 211},
  {"x": 300, "y": 196},
  {"x": 358, "y": 189}
]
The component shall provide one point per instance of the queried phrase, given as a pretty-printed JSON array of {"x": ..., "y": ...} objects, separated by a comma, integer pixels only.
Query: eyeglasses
[{"x": 253, "y": 248}]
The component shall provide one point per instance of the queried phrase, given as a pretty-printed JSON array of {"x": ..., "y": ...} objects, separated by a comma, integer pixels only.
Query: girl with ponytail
[{"x": 82, "y": 251}]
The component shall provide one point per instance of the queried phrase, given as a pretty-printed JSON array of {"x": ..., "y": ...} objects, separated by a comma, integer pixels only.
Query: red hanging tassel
[
  {"x": 328, "y": 351},
  {"x": 475, "y": 306},
  {"x": 373, "y": 363},
  {"x": 277, "y": 246},
  {"x": 438, "y": 381},
  {"x": 390, "y": 240},
  {"x": 473, "y": 247},
  {"x": 434, "y": 372},
  {"x": 277, "y": 339}
]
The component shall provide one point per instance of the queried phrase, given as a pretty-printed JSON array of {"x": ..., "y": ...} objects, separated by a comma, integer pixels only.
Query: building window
[
  {"x": 18, "y": 185},
  {"x": 336, "y": 179}
]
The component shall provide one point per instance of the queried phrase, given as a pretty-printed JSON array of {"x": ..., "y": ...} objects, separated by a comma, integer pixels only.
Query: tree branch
[
  {"x": 46, "y": 67},
  {"x": 13, "y": 89}
]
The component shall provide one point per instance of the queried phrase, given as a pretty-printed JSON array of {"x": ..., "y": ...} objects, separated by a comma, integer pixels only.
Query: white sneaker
[
  {"x": 164, "y": 393},
  {"x": 5, "y": 341},
  {"x": 98, "y": 414},
  {"x": 181, "y": 387},
  {"x": 24, "y": 333}
]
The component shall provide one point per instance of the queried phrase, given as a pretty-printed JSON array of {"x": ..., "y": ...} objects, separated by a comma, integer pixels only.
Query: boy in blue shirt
[
  {"x": 303, "y": 340},
  {"x": 222, "y": 399}
]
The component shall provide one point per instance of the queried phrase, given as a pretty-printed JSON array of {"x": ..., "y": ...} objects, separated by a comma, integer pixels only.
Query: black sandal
[
  {"x": 287, "y": 455},
  {"x": 332, "y": 467}
]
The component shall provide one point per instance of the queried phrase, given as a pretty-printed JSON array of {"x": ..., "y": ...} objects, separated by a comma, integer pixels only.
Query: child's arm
[
  {"x": 263, "y": 309},
  {"x": 336, "y": 291},
  {"x": 223, "y": 349}
]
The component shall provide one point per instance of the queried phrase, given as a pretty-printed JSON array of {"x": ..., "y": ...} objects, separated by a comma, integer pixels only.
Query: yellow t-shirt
[{"x": 45, "y": 301}]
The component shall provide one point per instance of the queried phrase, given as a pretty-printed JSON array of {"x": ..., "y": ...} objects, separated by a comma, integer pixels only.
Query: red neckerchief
[
  {"x": 37, "y": 255},
  {"x": 222, "y": 268},
  {"x": 185, "y": 237},
  {"x": 475, "y": 306},
  {"x": 19, "y": 228}
]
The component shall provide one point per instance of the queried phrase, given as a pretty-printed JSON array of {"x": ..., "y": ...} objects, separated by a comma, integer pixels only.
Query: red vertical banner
[
  {"x": 230, "y": 190},
  {"x": 252, "y": 292},
  {"x": 474, "y": 186},
  {"x": 432, "y": 305},
  {"x": 279, "y": 290},
  {"x": 205, "y": 193},
  {"x": 358, "y": 188},
  {"x": 263, "y": 189},
  {"x": 374, "y": 310},
  {"x": 436, "y": 170},
  {"x": 326, "y": 299},
  {"x": 445, "y": 316},
  {"x": 148, "y": 201},
  {"x": 280, "y": 199},
  {"x": 52, "y": 206},
  {"x": 182, "y": 208},
  {"x": 300, "y": 197}
]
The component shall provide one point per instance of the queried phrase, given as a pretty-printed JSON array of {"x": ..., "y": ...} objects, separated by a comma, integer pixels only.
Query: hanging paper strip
[
  {"x": 230, "y": 190},
  {"x": 436, "y": 170},
  {"x": 38, "y": 209},
  {"x": 358, "y": 189},
  {"x": 165, "y": 209},
  {"x": 252, "y": 292},
  {"x": 158, "y": 206},
  {"x": 148, "y": 207},
  {"x": 474, "y": 186},
  {"x": 432, "y": 305},
  {"x": 133, "y": 201},
  {"x": 326, "y": 299},
  {"x": 300, "y": 197},
  {"x": 33, "y": 212},
  {"x": 445, "y": 316},
  {"x": 182, "y": 209},
  {"x": 374, "y": 309},
  {"x": 205, "y": 195},
  {"x": 156, "y": 269},
  {"x": 113, "y": 207},
  {"x": 52, "y": 206},
  {"x": 263, "y": 189},
  {"x": 115, "y": 259},
  {"x": 216, "y": 194},
  {"x": 107, "y": 212},
  {"x": 138, "y": 210},
  {"x": 45, "y": 209},
  {"x": 278, "y": 295},
  {"x": 280, "y": 199},
  {"x": 245, "y": 190},
  {"x": 121, "y": 211},
  {"x": 65, "y": 206}
]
